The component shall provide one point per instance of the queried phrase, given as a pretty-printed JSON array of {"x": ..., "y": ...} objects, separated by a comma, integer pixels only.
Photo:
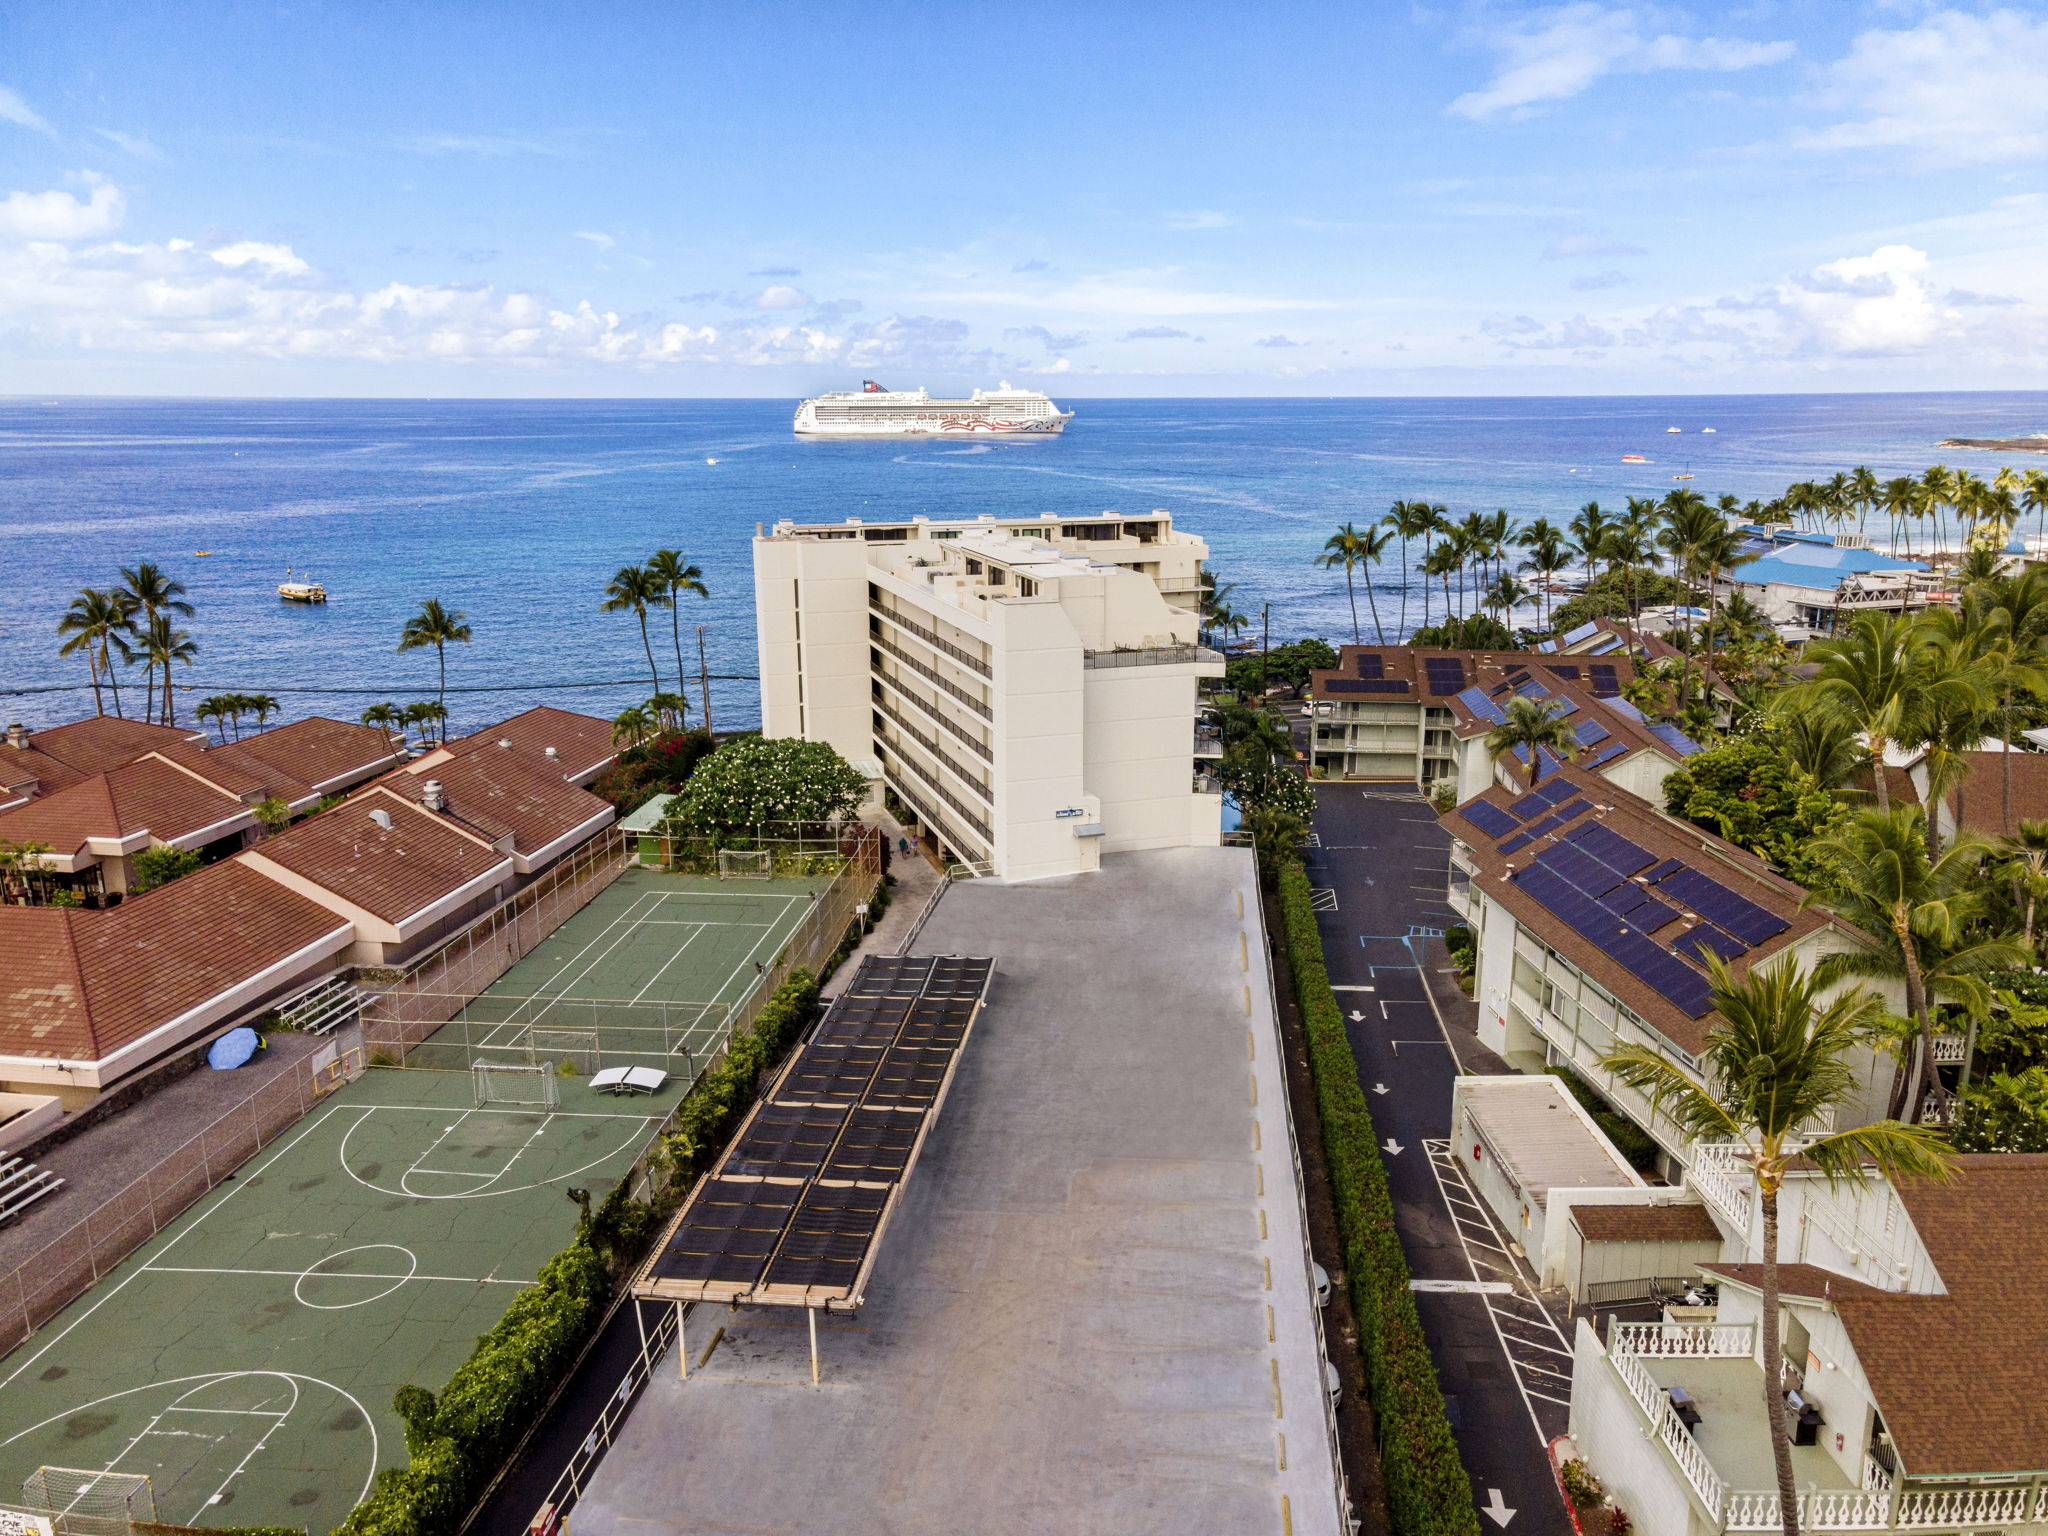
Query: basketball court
[{"x": 245, "y": 1358}]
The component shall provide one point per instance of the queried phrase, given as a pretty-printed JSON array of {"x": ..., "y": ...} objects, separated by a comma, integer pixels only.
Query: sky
[{"x": 1132, "y": 199}]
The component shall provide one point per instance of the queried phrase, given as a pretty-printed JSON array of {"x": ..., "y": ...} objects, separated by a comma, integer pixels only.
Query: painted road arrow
[
  {"x": 1379, "y": 1087},
  {"x": 1357, "y": 1017},
  {"x": 1495, "y": 1510},
  {"x": 1393, "y": 1146}
]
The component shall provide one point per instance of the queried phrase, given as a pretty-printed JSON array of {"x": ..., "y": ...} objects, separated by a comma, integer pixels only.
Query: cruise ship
[{"x": 873, "y": 411}]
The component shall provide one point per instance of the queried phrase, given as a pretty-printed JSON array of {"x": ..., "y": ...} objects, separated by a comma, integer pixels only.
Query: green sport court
[{"x": 245, "y": 1358}]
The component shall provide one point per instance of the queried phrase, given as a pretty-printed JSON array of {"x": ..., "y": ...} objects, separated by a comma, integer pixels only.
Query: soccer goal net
[
  {"x": 746, "y": 863},
  {"x": 535, "y": 1086},
  {"x": 78, "y": 1502},
  {"x": 578, "y": 1047}
]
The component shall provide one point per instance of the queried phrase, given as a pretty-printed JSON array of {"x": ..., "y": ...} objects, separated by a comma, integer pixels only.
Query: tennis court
[{"x": 245, "y": 1358}]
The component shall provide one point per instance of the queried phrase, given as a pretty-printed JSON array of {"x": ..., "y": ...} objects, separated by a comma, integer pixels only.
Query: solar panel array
[
  {"x": 795, "y": 1207},
  {"x": 1371, "y": 664},
  {"x": 1619, "y": 895},
  {"x": 1366, "y": 685},
  {"x": 1606, "y": 680},
  {"x": 1475, "y": 699},
  {"x": 1674, "y": 738},
  {"x": 1446, "y": 674}
]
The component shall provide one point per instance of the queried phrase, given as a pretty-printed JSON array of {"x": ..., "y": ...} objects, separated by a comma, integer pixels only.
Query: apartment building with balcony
[
  {"x": 1593, "y": 913},
  {"x": 1909, "y": 1392},
  {"x": 1615, "y": 739},
  {"x": 1025, "y": 687},
  {"x": 1390, "y": 711}
]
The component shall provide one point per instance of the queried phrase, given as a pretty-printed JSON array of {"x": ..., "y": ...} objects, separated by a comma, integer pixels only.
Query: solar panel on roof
[
  {"x": 1591, "y": 731},
  {"x": 1374, "y": 685},
  {"x": 1562, "y": 669},
  {"x": 1552, "y": 823},
  {"x": 1606, "y": 681},
  {"x": 1623, "y": 708},
  {"x": 1606, "y": 647},
  {"x": 1664, "y": 869},
  {"x": 1612, "y": 849},
  {"x": 1370, "y": 664},
  {"x": 1489, "y": 818},
  {"x": 1725, "y": 908},
  {"x": 1583, "y": 632},
  {"x": 1529, "y": 688},
  {"x": 1519, "y": 841},
  {"x": 1604, "y": 755},
  {"x": 1476, "y": 700},
  {"x": 1446, "y": 674},
  {"x": 1706, "y": 939},
  {"x": 1674, "y": 738}
]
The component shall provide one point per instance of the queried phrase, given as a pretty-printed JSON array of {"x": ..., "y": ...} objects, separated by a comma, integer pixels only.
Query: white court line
[
  {"x": 631, "y": 917},
  {"x": 753, "y": 981},
  {"x": 405, "y": 1178},
  {"x": 113, "y": 1291},
  {"x": 294, "y": 1274},
  {"x": 644, "y": 1123},
  {"x": 696, "y": 933}
]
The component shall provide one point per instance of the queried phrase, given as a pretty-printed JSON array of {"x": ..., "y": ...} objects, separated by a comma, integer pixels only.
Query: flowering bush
[{"x": 755, "y": 781}]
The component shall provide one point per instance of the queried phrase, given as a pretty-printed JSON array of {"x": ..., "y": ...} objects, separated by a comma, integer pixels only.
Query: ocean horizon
[{"x": 518, "y": 511}]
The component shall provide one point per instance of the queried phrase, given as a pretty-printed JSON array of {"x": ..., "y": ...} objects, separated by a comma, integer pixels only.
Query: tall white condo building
[{"x": 1025, "y": 686}]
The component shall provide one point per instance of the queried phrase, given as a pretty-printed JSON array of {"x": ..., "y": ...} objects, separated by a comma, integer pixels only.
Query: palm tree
[
  {"x": 425, "y": 715},
  {"x": 2034, "y": 498},
  {"x": 385, "y": 717},
  {"x": 1440, "y": 562},
  {"x": 1774, "y": 1066},
  {"x": 631, "y": 726},
  {"x": 1532, "y": 726},
  {"x": 1349, "y": 548},
  {"x": 212, "y": 709},
  {"x": 1589, "y": 533},
  {"x": 162, "y": 645},
  {"x": 1864, "y": 493},
  {"x": 1548, "y": 554},
  {"x": 668, "y": 710},
  {"x": 440, "y": 627},
  {"x": 1822, "y": 745},
  {"x": 1692, "y": 532},
  {"x": 1922, "y": 913},
  {"x": 262, "y": 706},
  {"x": 153, "y": 594},
  {"x": 2009, "y": 615},
  {"x": 677, "y": 577},
  {"x": 1505, "y": 595},
  {"x": 99, "y": 623},
  {"x": 1866, "y": 677},
  {"x": 634, "y": 590},
  {"x": 1410, "y": 520},
  {"x": 1902, "y": 499},
  {"x": 2025, "y": 861},
  {"x": 1631, "y": 546}
]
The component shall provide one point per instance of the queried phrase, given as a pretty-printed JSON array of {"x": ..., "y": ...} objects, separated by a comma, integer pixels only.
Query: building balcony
[
  {"x": 1725, "y": 1459},
  {"x": 1208, "y": 742},
  {"x": 951, "y": 689},
  {"x": 1156, "y": 656},
  {"x": 931, "y": 637}
]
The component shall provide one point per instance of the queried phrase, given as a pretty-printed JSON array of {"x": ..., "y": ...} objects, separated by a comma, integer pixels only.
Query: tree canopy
[{"x": 756, "y": 781}]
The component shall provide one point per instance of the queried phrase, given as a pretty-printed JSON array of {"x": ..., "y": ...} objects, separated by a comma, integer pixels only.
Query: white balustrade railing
[
  {"x": 1873, "y": 1509},
  {"x": 1874, "y": 1475},
  {"x": 1685, "y": 1450},
  {"x": 1716, "y": 1341},
  {"x": 1949, "y": 1048},
  {"x": 1722, "y": 1175}
]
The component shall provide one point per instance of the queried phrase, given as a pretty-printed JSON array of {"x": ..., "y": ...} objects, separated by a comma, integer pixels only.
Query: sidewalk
[{"x": 915, "y": 879}]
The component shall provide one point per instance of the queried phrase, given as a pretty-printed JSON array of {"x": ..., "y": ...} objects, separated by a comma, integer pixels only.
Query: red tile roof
[
  {"x": 392, "y": 873},
  {"x": 322, "y": 754},
  {"x": 150, "y": 795},
  {"x": 100, "y": 742},
  {"x": 80, "y": 985},
  {"x": 582, "y": 743},
  {"x": 501, "y": 794}
]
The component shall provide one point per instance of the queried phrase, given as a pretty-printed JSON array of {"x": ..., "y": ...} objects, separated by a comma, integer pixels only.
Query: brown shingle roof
[
  {"x": 582, "y": 743},
  {"x": 1390, "y": 664},
  {"x": 1958, "y": 1376},
  {"x": 80, "y": 985},
  {"x": 30, "y": 769},
  {"x": 1645, "y": 1224},
  {"x": 1798, "y": 1280},
  {"x": 391, "y": 873}
]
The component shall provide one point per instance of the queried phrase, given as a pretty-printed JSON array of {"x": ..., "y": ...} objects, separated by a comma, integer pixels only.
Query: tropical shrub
[
  {"x": 161, "y": 865},
  {"x": 2007, "y": 1113},
  {"x": 1284, "y": 666},
  {"x": 1749, "y": 791},
  {"x": 1474, "y": 632},
  {"x": 1428, "y": 1493},
  {"x": 660, "y": 764},
  {"x": 756, "y": 781},
  {"x": 1464, "y": 949}
]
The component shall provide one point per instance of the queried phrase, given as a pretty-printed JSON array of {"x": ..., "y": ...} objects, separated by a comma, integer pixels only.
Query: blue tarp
[{"x": 233, "y": 1048}]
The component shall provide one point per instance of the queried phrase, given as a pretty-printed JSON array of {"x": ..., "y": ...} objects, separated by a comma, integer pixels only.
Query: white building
[{"x": 1026, "y": 687}]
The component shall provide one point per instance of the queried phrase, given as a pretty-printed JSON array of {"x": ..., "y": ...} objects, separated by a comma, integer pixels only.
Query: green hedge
[
  {"x": 458, "y": 1441},
  {"x": 1428, "y": 1492}
]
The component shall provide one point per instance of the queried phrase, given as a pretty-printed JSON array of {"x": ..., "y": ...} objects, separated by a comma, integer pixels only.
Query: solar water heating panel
[{"x": 1490, "y": 819}]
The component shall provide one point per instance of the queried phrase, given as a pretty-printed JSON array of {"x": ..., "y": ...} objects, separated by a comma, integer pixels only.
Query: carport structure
[{"x": 793, "y": 1214}]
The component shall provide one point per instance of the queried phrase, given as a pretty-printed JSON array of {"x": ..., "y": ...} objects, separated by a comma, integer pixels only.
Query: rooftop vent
[
  {"x": 505, "y": 742},
  {"x": 549, "y": 751},
  {"x": 17, "y": 735},
  {"x": 432, "y": 797},
  {"x": 382, "y": 818}
]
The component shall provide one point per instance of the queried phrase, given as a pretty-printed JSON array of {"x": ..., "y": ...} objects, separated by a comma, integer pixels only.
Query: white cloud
[
  {"x": 59, "y": 215},
  {"x": 1588, "y": 245},
  {"x": 1199, "y": 218},
  {"x": 14, "y": 110},
  {"x": 1278, "y": 341},
  {"x": 131, "y": 143},
  {"x": 1889, "y": 304},
  {"x": 598, "y": 238},
  {"x": 486, "y": 145},
  {"x": 281, "y": 260},
  {"x": 1955, "y": 90},
  {"x": 1158, "y": 333},
  {"x": 780, "y": 296},
  {"x": 1593, "y": 282},
  {"x": 1558, "y": 53}
]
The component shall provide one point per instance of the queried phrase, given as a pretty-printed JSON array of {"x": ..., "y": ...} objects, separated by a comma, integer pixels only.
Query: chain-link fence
[{"x": 40, "y": 1286}]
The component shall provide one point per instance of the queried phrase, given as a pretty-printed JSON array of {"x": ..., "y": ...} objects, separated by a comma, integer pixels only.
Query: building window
[
  {"x": 996, "y": 576},
  {"x": 973, "y": 566},
  {"x": 1026, "y": 587},
  {"x": 1094, "y": 532}
]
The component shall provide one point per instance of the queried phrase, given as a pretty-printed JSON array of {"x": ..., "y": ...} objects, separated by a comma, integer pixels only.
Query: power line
[{"x": 209, "y": 688}]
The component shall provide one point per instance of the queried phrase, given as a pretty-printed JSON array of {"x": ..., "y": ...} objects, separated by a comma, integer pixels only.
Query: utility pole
[
  {"x": 1265, "y": 648},
  {"x": 703, "y": 680}
]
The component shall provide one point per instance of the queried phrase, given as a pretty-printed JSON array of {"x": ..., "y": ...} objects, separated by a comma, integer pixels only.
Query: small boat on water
[
  {"x": 1710, "y": 429},
  {"x": 1633, "y": 458},
  {"x": 1686, "y": 476},
  {"x": 1674, "y": 429},
  {"x": 300, "y": 589}
]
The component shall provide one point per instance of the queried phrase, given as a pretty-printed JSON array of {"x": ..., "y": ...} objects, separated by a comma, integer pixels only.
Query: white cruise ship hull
[{"x": 878, "y": 412}]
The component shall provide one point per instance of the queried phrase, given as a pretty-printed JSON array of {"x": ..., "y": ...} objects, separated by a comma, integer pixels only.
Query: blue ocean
[{"x": 517, "y": 512}]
